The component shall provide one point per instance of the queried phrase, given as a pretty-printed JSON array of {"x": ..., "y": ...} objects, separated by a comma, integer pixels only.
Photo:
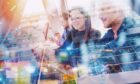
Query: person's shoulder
[
  {"x": 95, "y": 33},
  {"x": 137, "y": 21},
  {"x": 108, "y": 33},
  {"x": 134, "y": 29},
  {"x": 133, "y": 21},
  {"x": 107, "y": 37}
]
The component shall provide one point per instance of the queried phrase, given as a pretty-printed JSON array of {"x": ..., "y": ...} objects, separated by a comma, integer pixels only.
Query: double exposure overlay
[{"x": 69, "y": 41}]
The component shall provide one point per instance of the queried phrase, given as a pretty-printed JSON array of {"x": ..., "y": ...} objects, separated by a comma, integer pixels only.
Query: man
[{"x": 117, "y": 38}]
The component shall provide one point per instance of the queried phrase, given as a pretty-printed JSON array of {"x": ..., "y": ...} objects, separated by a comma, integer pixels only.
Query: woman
[{"x": 81, "y": 32}]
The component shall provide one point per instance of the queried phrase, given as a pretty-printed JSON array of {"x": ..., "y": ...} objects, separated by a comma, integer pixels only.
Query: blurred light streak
[
  {"x": 30, "y": 69},
  {"x": 122, "y": 39}
]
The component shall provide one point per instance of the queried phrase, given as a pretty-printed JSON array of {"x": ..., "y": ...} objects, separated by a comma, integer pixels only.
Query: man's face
[
  {"x": 108, "y": 13},
  {"x": 77, "y": 20}
]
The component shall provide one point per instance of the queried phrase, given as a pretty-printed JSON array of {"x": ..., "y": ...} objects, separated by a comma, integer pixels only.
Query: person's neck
[
  {"x": 116, "y": 24},
  {"x": 81, "y": 29}
]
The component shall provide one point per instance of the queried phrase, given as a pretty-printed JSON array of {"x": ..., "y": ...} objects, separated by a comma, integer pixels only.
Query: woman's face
[{"x": 77, "y": 20}]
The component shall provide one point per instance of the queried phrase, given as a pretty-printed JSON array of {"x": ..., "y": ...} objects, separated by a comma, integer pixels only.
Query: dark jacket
[
  {"x": 124, "y": 45},
  {"x": 127, "y": 23},
  {"x": 75, "y": 37},
  {"x": 124, "y": 34},
  {"x": 73, "y": 42},
  {"x": 65, "y": 35}
]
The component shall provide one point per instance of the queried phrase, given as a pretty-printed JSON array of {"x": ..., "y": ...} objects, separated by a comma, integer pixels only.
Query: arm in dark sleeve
[
  {"x": 62, "y": 48},
  {"x": 67, "y": 42}
]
